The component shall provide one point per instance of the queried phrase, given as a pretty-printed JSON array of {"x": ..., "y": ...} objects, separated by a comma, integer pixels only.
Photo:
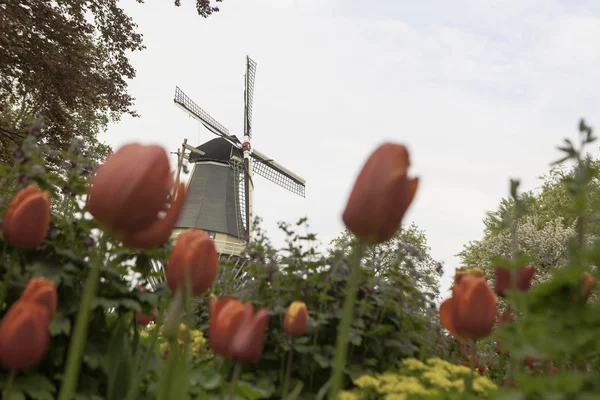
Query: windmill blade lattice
[
  {"x": 183, "y": 101},
  {"x": 277, "y": 174},
  {"x": 250, "y": 78}
]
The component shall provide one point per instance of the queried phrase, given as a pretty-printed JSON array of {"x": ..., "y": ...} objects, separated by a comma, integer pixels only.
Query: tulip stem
[
  {"x": 237, "y": 369},
  {"x": 7, "y": 274},
  {"x": 288, "y": 371},
  {"x": 341, "y": 350},
  {"x": 74, "y": 357},
  {"x": 9, "y": 385},
  {"x": 469, "y": 382}
]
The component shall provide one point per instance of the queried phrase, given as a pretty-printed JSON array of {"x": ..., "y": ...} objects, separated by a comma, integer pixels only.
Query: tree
[
  {"x": 68, "y": 61},
  {"x": 544, "y": 231},
  {"x": 406, "y": 252}
]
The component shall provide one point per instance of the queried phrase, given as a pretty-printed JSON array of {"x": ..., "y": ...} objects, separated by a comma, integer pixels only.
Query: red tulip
[
  {"x": 27, "y": 218},
  {"x": 43, "y": 292},
  {"x": 236, "y": 332},
  {"x": 296, "y": 319},
  {"x": 504, "y": 279},
  {"x": 194, "y": 252},
  {"x": 470, "y": 313},
  {"x": 130, "y": 190},
  {"x": 144, "y": 319},
  {"x": 24, "y": 335},
  {"x": 381, "y": 195}
]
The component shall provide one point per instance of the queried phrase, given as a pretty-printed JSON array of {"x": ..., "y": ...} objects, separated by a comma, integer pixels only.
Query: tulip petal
[
  {"x": 445, "y": 314},
  {"x": 226, "y": 315},
  {"x": 474, "y": 308},
  {"x": 160, "y": 231},
  {"x": 43, "y": 292},
  {"x": 27, "y": 219},
  {"x": 248, "y": 342}
]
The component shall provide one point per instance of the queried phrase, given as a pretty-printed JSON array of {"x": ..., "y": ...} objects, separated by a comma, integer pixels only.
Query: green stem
[
  {"x": 9, "y": 385},
  {"x": 341, "y": 350},
  {"x": 7, "y": 276},
  {"x": 469, "y": 380},
  {"x": 288, "y": 371},
  {"x": 234, "y": 379},
  {"x": 75, "y": 354}
]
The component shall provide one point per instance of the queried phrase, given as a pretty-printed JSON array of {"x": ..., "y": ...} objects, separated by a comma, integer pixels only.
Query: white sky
[{"x": 480, "y": 91}]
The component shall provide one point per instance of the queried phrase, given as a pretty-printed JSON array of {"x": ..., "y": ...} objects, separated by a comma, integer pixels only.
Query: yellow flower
[
  {"x": 395, "y": 396},
  {"x": 346, "y": 395},
  {"x": 483, "y": 385},
  {"x": 414, "y": 365},
  {"x": 366, "y": 381}
]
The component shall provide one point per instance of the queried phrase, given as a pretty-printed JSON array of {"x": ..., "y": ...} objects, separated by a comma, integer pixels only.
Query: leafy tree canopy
[{"x": 68, "y": 61}]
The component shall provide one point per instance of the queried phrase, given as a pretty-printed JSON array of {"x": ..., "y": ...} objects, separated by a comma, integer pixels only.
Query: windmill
[{"x": 220, "y": 185}]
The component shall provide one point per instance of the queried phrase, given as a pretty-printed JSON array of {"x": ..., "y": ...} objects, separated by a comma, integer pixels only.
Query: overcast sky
[{"x": 479, "y": 90}]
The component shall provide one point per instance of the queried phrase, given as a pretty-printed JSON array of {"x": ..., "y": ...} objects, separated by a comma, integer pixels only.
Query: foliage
[
  {"x": 63, "y": 258},
  {"x": 394, "y": 319},
  {"x": 68, "y": 61},
  {"x": 417, "y": 380}
]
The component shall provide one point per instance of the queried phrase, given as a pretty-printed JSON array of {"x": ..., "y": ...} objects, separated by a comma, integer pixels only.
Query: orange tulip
[
  {"x": 226, "y": 315},
  {"x": 144, "y": 319},
  {"x": 43, "y": 292},
  {"x": 504, "y": 277},
  {"x": 130, "y": 190},
  {"x": 235, "y": 332},
  {"x": 24, "y": 335},
  {"x": 248, "y": 342},
  {"x": 27, "y": 218},
  {"x": 194, "y": 251},
  {"x": 381, "y": 195},
  {"x": 296, "y": 319},
  {"x": 471, "y": 311},
  {"x": 588, "y": 283}
]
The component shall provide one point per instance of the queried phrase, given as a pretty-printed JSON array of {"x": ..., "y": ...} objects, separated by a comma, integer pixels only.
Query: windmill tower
[{"x": 220, "y": 185}]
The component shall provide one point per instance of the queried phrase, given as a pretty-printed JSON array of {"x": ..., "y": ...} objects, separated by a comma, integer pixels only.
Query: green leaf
[
  {"x": 15, "y": 395},
  {"x": 118, "y": 361},
  {"x": 36, "y": 386},
  {"x": 208, "y": 378},
  {"x": 131, "y": 304},
  {"x": 247, "y": 391},
  {"x": 296, "y": 392},
  {"x": 60, "y": 324}
]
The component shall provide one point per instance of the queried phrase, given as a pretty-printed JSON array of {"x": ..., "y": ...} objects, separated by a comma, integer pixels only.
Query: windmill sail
[{"x": 276, "y": 173}]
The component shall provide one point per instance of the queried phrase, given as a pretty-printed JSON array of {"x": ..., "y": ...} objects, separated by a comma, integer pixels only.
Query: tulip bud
[
  {"x": 27, "y": 219},
  {"x": 24, "y": 335},
  {"x": 381, "y": 195},
  {"x": 43, "y": 292},
  {"x": 248, "y": 342},
  {"x": 504, "y": 279},
  {"x": 296, "y": 319},
  {"x": 588, "y": 282},
  {"x": 226, "y": 315},
  {"x": 128, "y": 204},
  {"x": 473, "y": 308},
  {"x": 144, "y": 319},
  {"x": 194, "y": 252}
]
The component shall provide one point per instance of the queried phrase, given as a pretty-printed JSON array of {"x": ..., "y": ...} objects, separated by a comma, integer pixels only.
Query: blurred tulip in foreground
[
  {"x": 236, "y": 332},
  {"x": 24, "y": 335},
  {"x": 27, "y": 218},
  {"x": 194, "y": 251},
  {"x": 381, "y": 195},
  {"x": 130, "y": 190},
  {"x": 43, "y": 292}
]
